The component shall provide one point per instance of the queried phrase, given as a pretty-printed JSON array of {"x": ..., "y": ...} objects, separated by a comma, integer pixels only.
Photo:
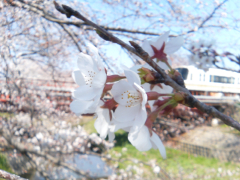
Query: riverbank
[
  {"x": 123, "y": 157},
  {"x": 178, "y": 165},
  {"x": 4, "y": 165}
]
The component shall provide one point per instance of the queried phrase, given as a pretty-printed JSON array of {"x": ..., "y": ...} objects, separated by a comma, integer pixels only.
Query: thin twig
[
  {"x": 206, "y": 19},
  {"x": 24, "y": 149},
  {"x": 137, "y": 50}
]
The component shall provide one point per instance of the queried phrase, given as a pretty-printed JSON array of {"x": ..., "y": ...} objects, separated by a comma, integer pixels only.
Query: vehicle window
[
  {"x": 222, "y": 79},
  {"x": 183, "y": 72}
]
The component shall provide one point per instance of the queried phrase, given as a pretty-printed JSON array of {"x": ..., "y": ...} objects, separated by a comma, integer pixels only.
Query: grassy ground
[
  {"x": 228, "y": 129},
  {"x": 88, "y": 124},
  {"x": 3, "y": 160},
  {"x": 178, "y": 165},
  {"x": 6, "y": 114},
  {"x": 4, "y": 164}
]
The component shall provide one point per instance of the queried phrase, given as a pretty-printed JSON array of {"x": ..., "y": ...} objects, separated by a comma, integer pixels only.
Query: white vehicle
[{"x": 213, "y": 86}]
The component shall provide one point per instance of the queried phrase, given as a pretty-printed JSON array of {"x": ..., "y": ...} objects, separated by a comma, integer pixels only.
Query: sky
[{"x": 161, "y": 19}]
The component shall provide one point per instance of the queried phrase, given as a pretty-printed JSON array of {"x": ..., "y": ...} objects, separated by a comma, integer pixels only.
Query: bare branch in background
[
  {"x": 168, "y": 81},
  {"x": 9, "y": 176},
  {"x": 38, "y": 49}
]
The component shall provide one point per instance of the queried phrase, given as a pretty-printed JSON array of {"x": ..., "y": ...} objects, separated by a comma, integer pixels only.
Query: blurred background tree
[{"x": 40, "y": 45}]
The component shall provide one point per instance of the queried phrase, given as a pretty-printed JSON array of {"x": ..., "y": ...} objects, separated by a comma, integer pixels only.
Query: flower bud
[
  {"x": 169, "y": 103},
  {"x": 149, "y": 76},
  {"x": 179, "y": 97},
  {"x": 114, "y": 78},
  {"x": 155, "y": 95},
  {"x": 177, "y": 77},
  {"x": 103, "y": 36}
]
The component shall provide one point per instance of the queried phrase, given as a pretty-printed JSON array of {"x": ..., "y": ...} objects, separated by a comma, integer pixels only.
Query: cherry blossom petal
[
  {"x": 127, "y": 129},
  {"x": 111, "y": 136},
  {"x": 119, "y": 88},
  {"x": 146, "y": 47},
  {"x": 93, "y": 50},
  {"x": 125, "y": 114},
  {"x": 139, "y": 121},
  {"x": 136, "y": 67},
  {"x": 80, "y": 107},
  {"x": 157, "y": 141},
  {"x": 92, "y": 108},
  {"x": 132, "y": 77},
  {"x": 152, "y": 40},
  {"x": 160, "y": 64},
  {"x": 102, "y": 128},
  {"x": 129, "y": 98},
  {"x": 86, "y": 63},
  {"x": 173, "y": 45},
  {"x": 121, "y": 125},
  {"x": 99, "y": 80},
  {"x": 102, "y": 122},
  {"x": 84, "y": 93},
  {"x": 164, "y": 90},
  {"x": 78, "y": 78},
  {"x": 158, "y": 42},
  {"x": 95, "y": 56},
  {"x": 143, "y": 94},
  {"x": 142, "y": 141}
]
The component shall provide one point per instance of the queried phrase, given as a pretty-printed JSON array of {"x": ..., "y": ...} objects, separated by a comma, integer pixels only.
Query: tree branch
[
  {"x": 228, "y": 69},
  {"x": 39, "y": 10},
  {"x": 24, "y": 149},
  {"x": 72, "y": 36},
  {"x": 9, "y": 176},
  {"x": 137, "y": 50},
  {"x": 211, "y": 15},
  {"x": 206, "y": 19}
]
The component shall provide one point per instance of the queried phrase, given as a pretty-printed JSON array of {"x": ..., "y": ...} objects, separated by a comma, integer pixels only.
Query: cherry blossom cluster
[
  {"x": 140, "y": 86},
  {"x": 202, "y": 54}
]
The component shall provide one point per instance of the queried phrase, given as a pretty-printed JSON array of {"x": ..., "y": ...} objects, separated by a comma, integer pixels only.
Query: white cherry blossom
[
  {"x": 202, "y": 56},
  {"x": 144, "y": 141},
  {"x": 104, "y": 120},
  {"x": 202, "y": 62},
  {"x": 132, "y": 98},
  {"x": 91, "y": 78},
  {"x": 164, "y": 89},
  {"x": 170, "y": 47}
]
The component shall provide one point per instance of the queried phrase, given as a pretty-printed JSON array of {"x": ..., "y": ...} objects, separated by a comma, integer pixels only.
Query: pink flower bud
[{"x": 114, "y": 78}]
